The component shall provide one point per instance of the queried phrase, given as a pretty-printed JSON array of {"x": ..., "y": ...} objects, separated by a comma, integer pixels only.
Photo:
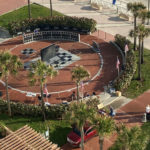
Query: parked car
[{"x": 74, "y": 137}]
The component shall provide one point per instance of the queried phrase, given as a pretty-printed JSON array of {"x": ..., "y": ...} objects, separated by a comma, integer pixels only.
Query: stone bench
[
  {"x": 125, "y": 17},
  {"x": 97, "y": 6},
  {"x": 96, "y": 47}
]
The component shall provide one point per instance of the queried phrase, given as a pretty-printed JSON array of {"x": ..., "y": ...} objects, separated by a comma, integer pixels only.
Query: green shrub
[
  {"x": 52, "y": 112},
  {"x": 57, "y": 21},
  {"x": 124, "y": 80}
]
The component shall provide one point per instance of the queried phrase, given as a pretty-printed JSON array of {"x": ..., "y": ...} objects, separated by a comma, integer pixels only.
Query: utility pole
[
  {"x": 51, "y": 12},
  {"x": 29, "y": 10}
]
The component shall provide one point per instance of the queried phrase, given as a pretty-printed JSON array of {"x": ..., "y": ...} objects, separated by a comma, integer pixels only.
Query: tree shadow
[
  {"x": 117, "y": 19},
  {"x": 59, "y": 135},
  {"x": 89, "y": 8}
]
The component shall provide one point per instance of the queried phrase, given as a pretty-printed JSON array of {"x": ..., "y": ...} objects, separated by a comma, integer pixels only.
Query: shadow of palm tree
[{"x": 59, "y": 135}]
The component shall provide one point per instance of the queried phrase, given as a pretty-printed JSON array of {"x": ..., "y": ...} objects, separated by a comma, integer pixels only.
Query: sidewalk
[
  {"x": 115, "y": 101},
  {"x": 10, "y": 5}
]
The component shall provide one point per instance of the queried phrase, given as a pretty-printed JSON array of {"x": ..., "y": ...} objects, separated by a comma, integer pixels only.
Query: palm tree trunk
[
  {"x": 134, "y": 32},
  {"x": 51, "y": 12},
  {"x": 142, "y": 53},
  {"x": 7, "y": 95},
  {"x": 101, "y": 141},
  {"x": 139, "y": 65},
  {"x": 77, "y": 91},
  {"x": 42, "y": 100},
  {"x": 29, "y": 10},
  {"x": 82, "y": 138}
]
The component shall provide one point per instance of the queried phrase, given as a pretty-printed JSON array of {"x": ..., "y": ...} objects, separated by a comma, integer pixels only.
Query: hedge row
[
  {"x": 80, "y": 24},
  {"x": 52, "y": 112},
  {"x": 124, "y": 80}
]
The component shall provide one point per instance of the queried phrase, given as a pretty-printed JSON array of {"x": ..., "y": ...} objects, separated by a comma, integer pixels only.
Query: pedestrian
[
  {"x": 93, "y": 94},
  {"x": 73, "y": 97},
  {"x": 112, "y": 112}
]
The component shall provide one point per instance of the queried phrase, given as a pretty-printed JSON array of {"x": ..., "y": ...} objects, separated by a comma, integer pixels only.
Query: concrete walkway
[{"x": 107, "y": 20}]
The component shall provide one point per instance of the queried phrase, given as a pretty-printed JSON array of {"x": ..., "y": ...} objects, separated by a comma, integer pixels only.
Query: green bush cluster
[
  {"x": 81, "y": 24},
  {"x": 52, "y": 112},
  {"x": 124, "y": 80}
]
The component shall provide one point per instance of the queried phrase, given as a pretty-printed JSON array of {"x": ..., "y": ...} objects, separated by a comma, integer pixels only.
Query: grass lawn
[
  {"x": 146, "y": 128},
  {"x": 138, "y": 87},
  {"x": 58, "y": 129},
  {"x": 22, "y": 13}
]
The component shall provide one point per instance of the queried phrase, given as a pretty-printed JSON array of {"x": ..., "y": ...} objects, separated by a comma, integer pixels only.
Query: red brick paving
[
  {"x": 10, "y": 5},
  {"x": 103, "y": 35},
  {"x": 89, "y": 60},
  {"x": 130, "y": 114}
]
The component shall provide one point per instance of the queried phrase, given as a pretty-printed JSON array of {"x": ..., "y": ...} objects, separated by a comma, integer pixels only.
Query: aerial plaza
[
  {"x": 63, "y": 56},
  {"x": 70, "y": 84}
]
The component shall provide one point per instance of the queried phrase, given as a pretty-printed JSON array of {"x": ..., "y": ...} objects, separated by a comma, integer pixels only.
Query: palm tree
[
  {"x": 29, "y": 10},
  {"x": 9, "y": 64},
  {"x": 51, "y": 9},
  {"x": 135, "y": 8},
  {"x": 79, "y": 114},
  {"x": 145, "y": 32},
  {"x": 148, "y": 17},
  {"x": 141, "y": 32},
  {"x": 143, "y": 15},
  {"x": 130, "y": 138},
  {"x": 79, "y": 73},
  {"x": 39, "y": 72},
  {"x": 138, "y": 33},
  {"x": 104, "y": 126}
]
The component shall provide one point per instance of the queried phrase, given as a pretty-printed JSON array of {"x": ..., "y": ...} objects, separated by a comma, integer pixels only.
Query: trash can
[{"x": 118, "y": 93}]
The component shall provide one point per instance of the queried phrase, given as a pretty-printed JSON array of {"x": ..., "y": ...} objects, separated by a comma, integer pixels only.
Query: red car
[{"x": 74, "y": 137}]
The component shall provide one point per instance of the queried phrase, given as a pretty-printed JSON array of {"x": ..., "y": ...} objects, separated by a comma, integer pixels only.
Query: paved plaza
[
  {"x": 100, "y": 65},
  {"x": 129, "y": 111}
]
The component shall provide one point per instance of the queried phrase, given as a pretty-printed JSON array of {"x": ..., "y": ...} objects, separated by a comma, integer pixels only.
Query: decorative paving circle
[
  {"x": 62, "y": 86},
  {"x": 28, "y": 51}
]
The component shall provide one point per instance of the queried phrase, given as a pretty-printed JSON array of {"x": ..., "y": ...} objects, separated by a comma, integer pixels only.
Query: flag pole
[
  {"x": 118, "y": 71},
  {"x": 117, "y": 66},
  {"x": 46, "y": 98}
]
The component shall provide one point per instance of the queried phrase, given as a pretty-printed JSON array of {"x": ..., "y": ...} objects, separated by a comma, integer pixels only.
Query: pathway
[{"x": 128, "y": 111}]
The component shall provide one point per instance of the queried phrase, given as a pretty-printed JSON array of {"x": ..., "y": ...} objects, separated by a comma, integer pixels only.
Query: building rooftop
[{"x": 26, "y": 138}]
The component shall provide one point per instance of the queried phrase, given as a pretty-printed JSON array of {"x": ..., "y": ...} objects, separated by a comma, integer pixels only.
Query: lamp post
[
  {"x": 51, "y": 13},
  {"x": 148, "y": 11},
  {"x": 29, "y": 10}
]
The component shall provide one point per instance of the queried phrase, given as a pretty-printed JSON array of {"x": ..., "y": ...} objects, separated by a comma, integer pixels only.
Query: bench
[
  {"x": 97, "y": 6},
  {"x": 96, "y": 46},
  {"x": 100, "y": 106},
  {"x": 30, "y": 94}
]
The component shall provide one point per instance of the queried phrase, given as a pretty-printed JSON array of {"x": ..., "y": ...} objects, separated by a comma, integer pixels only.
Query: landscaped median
[
  {"x": 123, "y": 81},
  {"x": 127, "y": 82}
]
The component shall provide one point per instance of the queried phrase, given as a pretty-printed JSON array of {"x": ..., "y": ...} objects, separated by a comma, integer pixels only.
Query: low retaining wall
[{"x": 51, "y": 35}]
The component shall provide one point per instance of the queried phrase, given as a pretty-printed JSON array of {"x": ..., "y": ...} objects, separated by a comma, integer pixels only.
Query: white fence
[{"x": 51, "y": 35}]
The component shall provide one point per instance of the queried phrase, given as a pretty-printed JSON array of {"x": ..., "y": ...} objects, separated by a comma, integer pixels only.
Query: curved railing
[{"x": 51, "y": 35}]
